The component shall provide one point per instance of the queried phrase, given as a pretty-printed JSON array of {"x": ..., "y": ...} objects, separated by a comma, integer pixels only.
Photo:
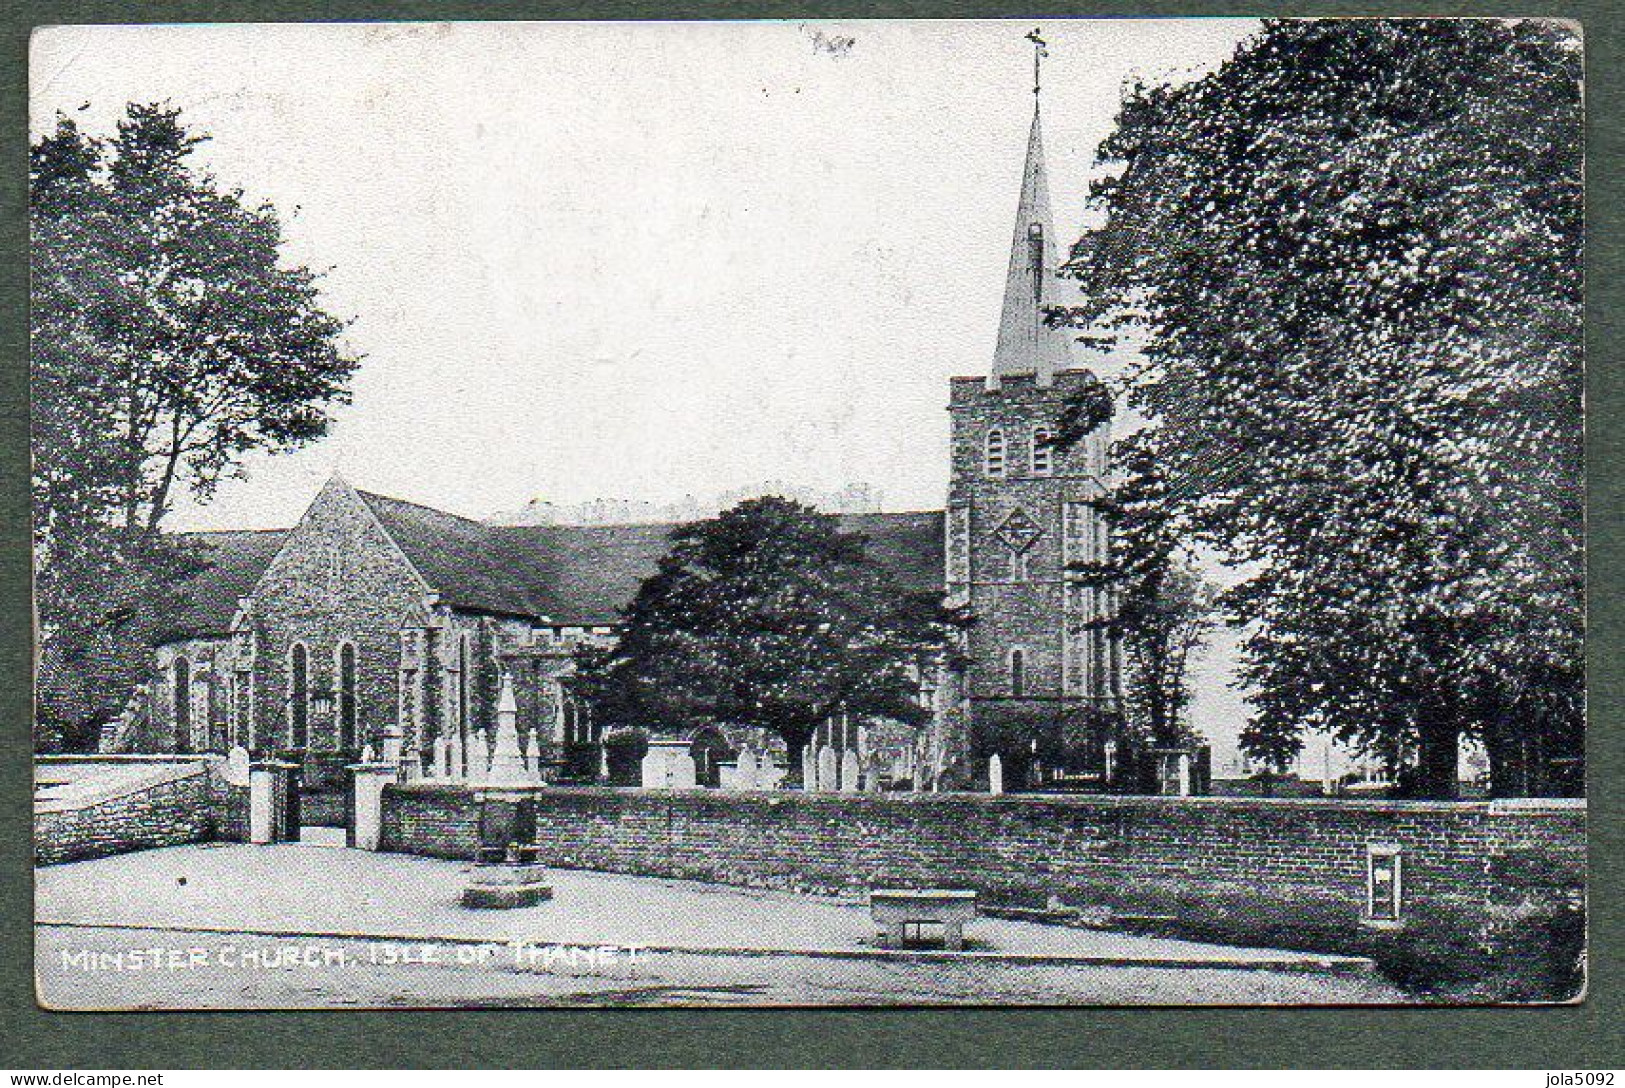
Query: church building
[{"x": 379, "y": 624}]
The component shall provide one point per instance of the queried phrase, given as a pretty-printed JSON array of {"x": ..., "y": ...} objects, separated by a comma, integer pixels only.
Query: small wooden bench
[{"x": 895, "y": 909}]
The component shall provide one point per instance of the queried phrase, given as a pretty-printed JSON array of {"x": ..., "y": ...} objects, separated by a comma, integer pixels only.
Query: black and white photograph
[{"x": 1059, "y": 512}]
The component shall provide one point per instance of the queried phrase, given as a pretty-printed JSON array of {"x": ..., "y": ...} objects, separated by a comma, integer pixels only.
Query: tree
[
  {"x": 1162, "y": 608},
  {"x": 163, "y": 316},
  {"x": 1352, "y": 255},
  {"x": 167, "y": 341},
  {"x": 767, "y": 616}
]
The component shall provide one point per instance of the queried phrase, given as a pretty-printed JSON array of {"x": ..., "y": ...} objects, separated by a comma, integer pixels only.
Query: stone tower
[{"x": 1037, "y": 679}]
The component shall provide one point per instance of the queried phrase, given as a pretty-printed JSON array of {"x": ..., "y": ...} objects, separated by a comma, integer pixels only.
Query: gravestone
[
  {"x": 668, "y": 766},
  {"x": 995, "y": 776},
  {"x": 680, "y": 772},
  {"x": 479, "y": 755},
  {"x": 849, "y": 771},
  {"x": 828, "y": 771},
  {"x": 237, "y": 766},
  {"x": 744, "y": 776},
  {"x": 454, "y": 757},
  {"x": 809, "y": 768},
  {"x": 535, "y": 740}
]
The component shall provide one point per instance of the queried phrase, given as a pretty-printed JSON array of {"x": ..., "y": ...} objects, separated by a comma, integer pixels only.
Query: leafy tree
[
  {"x": 103, "y": 601},
  {"x": 161, "y": 301},
  {"x": 768, "y": 616},
  {"x": 1162, "y": 607},
  {"x": 167, "y": 341},
  {"x": 1351, "y": 256}
]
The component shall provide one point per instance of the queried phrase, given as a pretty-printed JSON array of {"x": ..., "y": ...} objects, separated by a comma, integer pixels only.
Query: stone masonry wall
[
  {"x": 1017, "y": 849},
  {"x": 1267, "y": 871},
  {"x": 195, "y": 804},
  {"x": 337, "y": 579}
]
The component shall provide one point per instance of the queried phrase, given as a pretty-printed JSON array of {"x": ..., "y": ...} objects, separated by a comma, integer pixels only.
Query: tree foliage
[
  {"x": 768, "y": 616},
  {"x": 168, "y": 338},
  {"x": 167, "y": 341},
  {"x": 1352, "y": 257},
  {"x": 1162, "y": 608}
]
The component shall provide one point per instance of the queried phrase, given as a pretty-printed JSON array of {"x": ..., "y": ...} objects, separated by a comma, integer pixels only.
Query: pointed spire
[{"x": 1027, "y": 344}]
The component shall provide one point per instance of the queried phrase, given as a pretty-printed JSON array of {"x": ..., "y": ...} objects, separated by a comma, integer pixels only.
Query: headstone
[
  {"x": 535, "y": 755},
  {"x": 367, "y": 754},
  {"x": 653, "y": 770},
  {"x": 849, "y": 771},
  {"x": 479, "y": 755},
  {"x": 828, "y": 770},
  {"x": 809, "y": 768},
  {"x": 455, "y": 767},
  {"x": 237, "y": 766},
  {"x": 392, "y": 747},
  {"x": 680, "y": 771},
  {"x": 442, "y": 758},
  {"x": 995, "y": 775},
  {"x": 668, "y": 766}
]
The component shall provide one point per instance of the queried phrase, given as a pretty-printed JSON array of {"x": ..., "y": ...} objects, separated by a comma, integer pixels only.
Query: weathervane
[{"x": 1040, "y": 51}]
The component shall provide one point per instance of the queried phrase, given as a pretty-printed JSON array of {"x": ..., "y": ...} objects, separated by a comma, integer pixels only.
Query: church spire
[{"x": 1027, "y": 344}]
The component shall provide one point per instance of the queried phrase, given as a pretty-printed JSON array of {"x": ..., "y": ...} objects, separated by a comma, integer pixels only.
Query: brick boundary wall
[
  {"x": 196, "y": 804},
  {"x": 1284, "y": 872}
]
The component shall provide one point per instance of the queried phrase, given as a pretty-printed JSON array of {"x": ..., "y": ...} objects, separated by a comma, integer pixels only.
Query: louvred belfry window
[
  {"x": 994, "y": 457},
  {"x": 1042, "y": 462}
]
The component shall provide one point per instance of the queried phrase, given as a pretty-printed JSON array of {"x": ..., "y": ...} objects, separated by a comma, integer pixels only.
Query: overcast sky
[
  {"x": 638, "y": 260},
  {"x": 633, "y": 260}
]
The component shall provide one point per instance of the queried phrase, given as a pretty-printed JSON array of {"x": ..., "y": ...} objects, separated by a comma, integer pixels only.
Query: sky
[
  {"x": 632, "y": 260},
  {"x": 637, "y": 260}
]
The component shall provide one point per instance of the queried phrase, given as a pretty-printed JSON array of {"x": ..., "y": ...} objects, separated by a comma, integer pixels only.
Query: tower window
[
  {"x": 1018, "y": 672},
  {"x": 298, "y": 695},
  {"x": 994, "y": 460},
  {"x": 1042, "y": 456}
]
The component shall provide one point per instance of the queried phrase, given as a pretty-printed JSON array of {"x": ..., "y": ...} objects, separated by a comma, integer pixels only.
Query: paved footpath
[{"x": 220, "y": 926}]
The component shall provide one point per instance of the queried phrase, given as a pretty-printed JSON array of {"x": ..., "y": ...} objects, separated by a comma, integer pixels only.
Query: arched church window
[
  {"x": 298, "y": 695},
  {"x": 1043, "y": 458},
  {"x": 1018, "y": 672},
  {"x": 994, "y": 460},
  {"x": 183, "y": 704},
  {"x": 347, "y": 695},
  {"x": 465, "y": 681}
]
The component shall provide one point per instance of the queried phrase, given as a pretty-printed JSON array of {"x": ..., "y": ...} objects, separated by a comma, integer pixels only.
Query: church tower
[{"x": 1040, "y": 681}]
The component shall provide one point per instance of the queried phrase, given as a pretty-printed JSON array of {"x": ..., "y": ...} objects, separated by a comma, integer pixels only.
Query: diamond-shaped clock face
[{"x": 1019, "y": 530}]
